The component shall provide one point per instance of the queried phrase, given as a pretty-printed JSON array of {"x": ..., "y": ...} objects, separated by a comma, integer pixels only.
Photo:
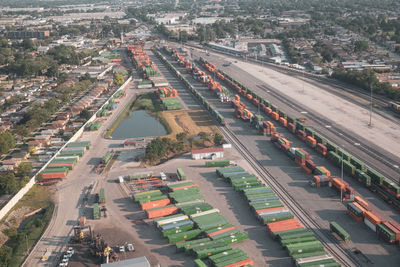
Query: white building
[{"x": 208, "y": 153}]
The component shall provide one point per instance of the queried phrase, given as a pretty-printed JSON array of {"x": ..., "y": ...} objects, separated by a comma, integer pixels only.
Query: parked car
[
  {"x": 130, "y": 247},
  {"x": 121, "y": 249}
]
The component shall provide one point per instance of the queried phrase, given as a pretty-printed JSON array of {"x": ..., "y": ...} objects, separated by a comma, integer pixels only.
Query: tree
[
  {"x": 85, "y": 114},
  {"x": 181, "y": 136},
  {"x": 218, "y": 139},
  {"x": 29, "y": 44},
  {"x": 360, "y": 46},
  {"x": 22, "y": 130},
  {"x": 24, "y": 169},
  {"x": 5, "y": 255},
  {"x": 8, "y": 183},
  {"x": 7, "y": 142},
  {"x": 118, "y": 79}
]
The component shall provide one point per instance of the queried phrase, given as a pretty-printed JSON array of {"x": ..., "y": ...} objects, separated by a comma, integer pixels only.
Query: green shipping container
[
  {"x": 102, "y": 198},
  {"x": 376, "y": 177},
  {"x": 304, "y": 247},
  {"x": 217, "y": 163},
  {"x": 183, "y": 236},
  {"x": 336, "y": 228},
  {"x": 308, "y": 255},
  {"x": 287, "y": 242},
  {"x": 178, "y": 230},
  {"x": 200, "y": 263},
  {"x": 204, "y": 253},
  {"x": 187, "y": 244},
  {"x": 96, "y": 211},
  {"x": 181, "y": 174}
]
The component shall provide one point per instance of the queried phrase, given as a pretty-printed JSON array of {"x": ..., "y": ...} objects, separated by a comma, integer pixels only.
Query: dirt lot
[{"x": 190, "y": 121}]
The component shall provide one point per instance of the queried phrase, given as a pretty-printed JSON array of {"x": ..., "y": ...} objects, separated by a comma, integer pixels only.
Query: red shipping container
[
  {"x": 156, "y": 204},
  {"x": 270, "y": 209},
  {"x": 291, "y": 127},
  {"x": 302, "y": 135},
  {"x": 305, "y": 169},
  {"x": 300, "y": 161},
  {"x": 356, "y": 218},
  {"x": 310, "y": 164},
  {"x": 53, "y": 175},
  {"x": 321, "y": 149}
]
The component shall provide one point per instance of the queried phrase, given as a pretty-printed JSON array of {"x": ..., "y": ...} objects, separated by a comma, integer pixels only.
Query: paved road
[{"x": 70, "y": 192}]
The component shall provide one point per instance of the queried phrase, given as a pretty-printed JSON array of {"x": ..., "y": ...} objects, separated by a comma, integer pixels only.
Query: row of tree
[
  {"x": 366, "y": 79},
  {"x": 162, "y": 147}
]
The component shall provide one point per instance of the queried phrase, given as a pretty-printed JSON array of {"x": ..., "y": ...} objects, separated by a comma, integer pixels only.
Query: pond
[{"x": 139, "y": 124}]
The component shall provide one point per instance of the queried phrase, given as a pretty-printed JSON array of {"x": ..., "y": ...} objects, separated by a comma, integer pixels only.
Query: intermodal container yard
[{"x": 319, "y": 171}]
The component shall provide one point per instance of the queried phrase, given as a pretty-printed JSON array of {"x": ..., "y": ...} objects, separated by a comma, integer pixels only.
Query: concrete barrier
[{"x": 11, "y": 203}]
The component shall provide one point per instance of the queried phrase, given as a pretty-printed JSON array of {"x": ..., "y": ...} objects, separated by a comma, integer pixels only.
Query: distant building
[
  {"x": 208, "y": 153},
  {"x": 27, "y": 34}
]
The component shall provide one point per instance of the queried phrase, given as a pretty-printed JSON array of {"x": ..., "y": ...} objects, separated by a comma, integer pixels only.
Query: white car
[
  {"x": 121, "y": 249},
  {"x": 130, "y": 247}
]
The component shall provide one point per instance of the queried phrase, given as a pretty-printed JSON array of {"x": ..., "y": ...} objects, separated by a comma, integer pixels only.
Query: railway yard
[{"x": 340, "y": 117}]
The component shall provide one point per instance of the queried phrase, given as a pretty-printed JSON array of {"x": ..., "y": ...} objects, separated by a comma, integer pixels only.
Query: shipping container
[
  {"x": 336, "y": 228},
  {"x": 181, "y": 174},
  {"x": 183, "y": 236}
]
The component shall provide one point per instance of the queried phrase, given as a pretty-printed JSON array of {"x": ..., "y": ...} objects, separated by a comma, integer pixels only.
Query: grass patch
[{"x": 26, "y": 238}]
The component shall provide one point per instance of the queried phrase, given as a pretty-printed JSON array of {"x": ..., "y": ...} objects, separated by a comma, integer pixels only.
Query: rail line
[
  {"x": 340, "y": 253},
  {"x": 344, "y": 255},
  {"x": 381, "y": 100},
  {"x": 373, "y": 153}
]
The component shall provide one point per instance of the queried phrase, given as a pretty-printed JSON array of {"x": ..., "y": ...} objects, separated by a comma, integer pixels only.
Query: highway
[{"x": 315, "y": 208}]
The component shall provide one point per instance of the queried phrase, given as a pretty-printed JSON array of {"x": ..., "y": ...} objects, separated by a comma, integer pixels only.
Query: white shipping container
[
  {"x": 204, "y": 213},
  {"x": 370, "y": 224},
  {"x": 273, "y": 211},
  {"x": 176, "y": 219}
]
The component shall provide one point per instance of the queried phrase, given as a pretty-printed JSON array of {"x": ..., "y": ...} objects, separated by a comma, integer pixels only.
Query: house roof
[{"x": 207, "y": 150}]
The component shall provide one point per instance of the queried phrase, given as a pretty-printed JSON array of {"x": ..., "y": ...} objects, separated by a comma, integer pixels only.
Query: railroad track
[
  {"x": 345, "y": 256},
  {"x": 373, "y": 153}
]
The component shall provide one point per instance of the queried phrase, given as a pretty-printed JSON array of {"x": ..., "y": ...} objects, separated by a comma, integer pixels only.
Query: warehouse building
[{"x": 208, "y": 153}]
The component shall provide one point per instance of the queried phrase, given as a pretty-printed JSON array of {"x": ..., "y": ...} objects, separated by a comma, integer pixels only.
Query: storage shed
[{"x": 208, "y": 153}]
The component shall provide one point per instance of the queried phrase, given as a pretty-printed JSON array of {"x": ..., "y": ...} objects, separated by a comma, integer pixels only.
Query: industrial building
[{"x": 208, "y": 153}]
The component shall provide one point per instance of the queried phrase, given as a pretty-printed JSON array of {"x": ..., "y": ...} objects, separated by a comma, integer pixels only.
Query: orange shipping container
[
  {"x": 328, "y": 173},
  {"x": 362, "y": 202},
  {"x": 221, "y": 231},
  {"x": 161, "y": 212},
  {"x": 283, "y": 121},
  {"x": 275, "y": 116},
  {"x": 274, "y": 225},
  {"x": 373, "y": 218},
  {"x": 245, "y": 262},
  {"x": 155, "y": 204},
  {"x": 186, "y": 186},
  {"x": 360, "y": 207}
]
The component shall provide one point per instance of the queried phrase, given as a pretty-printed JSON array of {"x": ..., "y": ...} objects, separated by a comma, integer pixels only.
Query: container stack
[
  {"x": 301, "y": 243},
  {"x": 66, "y": 160},
  {"x": 194, "y": 226}
]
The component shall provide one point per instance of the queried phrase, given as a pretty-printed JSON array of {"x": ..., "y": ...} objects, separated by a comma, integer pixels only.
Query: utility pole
[
  {"x": 370, "y": 112},
  {"x": 341, "y": 178}
]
